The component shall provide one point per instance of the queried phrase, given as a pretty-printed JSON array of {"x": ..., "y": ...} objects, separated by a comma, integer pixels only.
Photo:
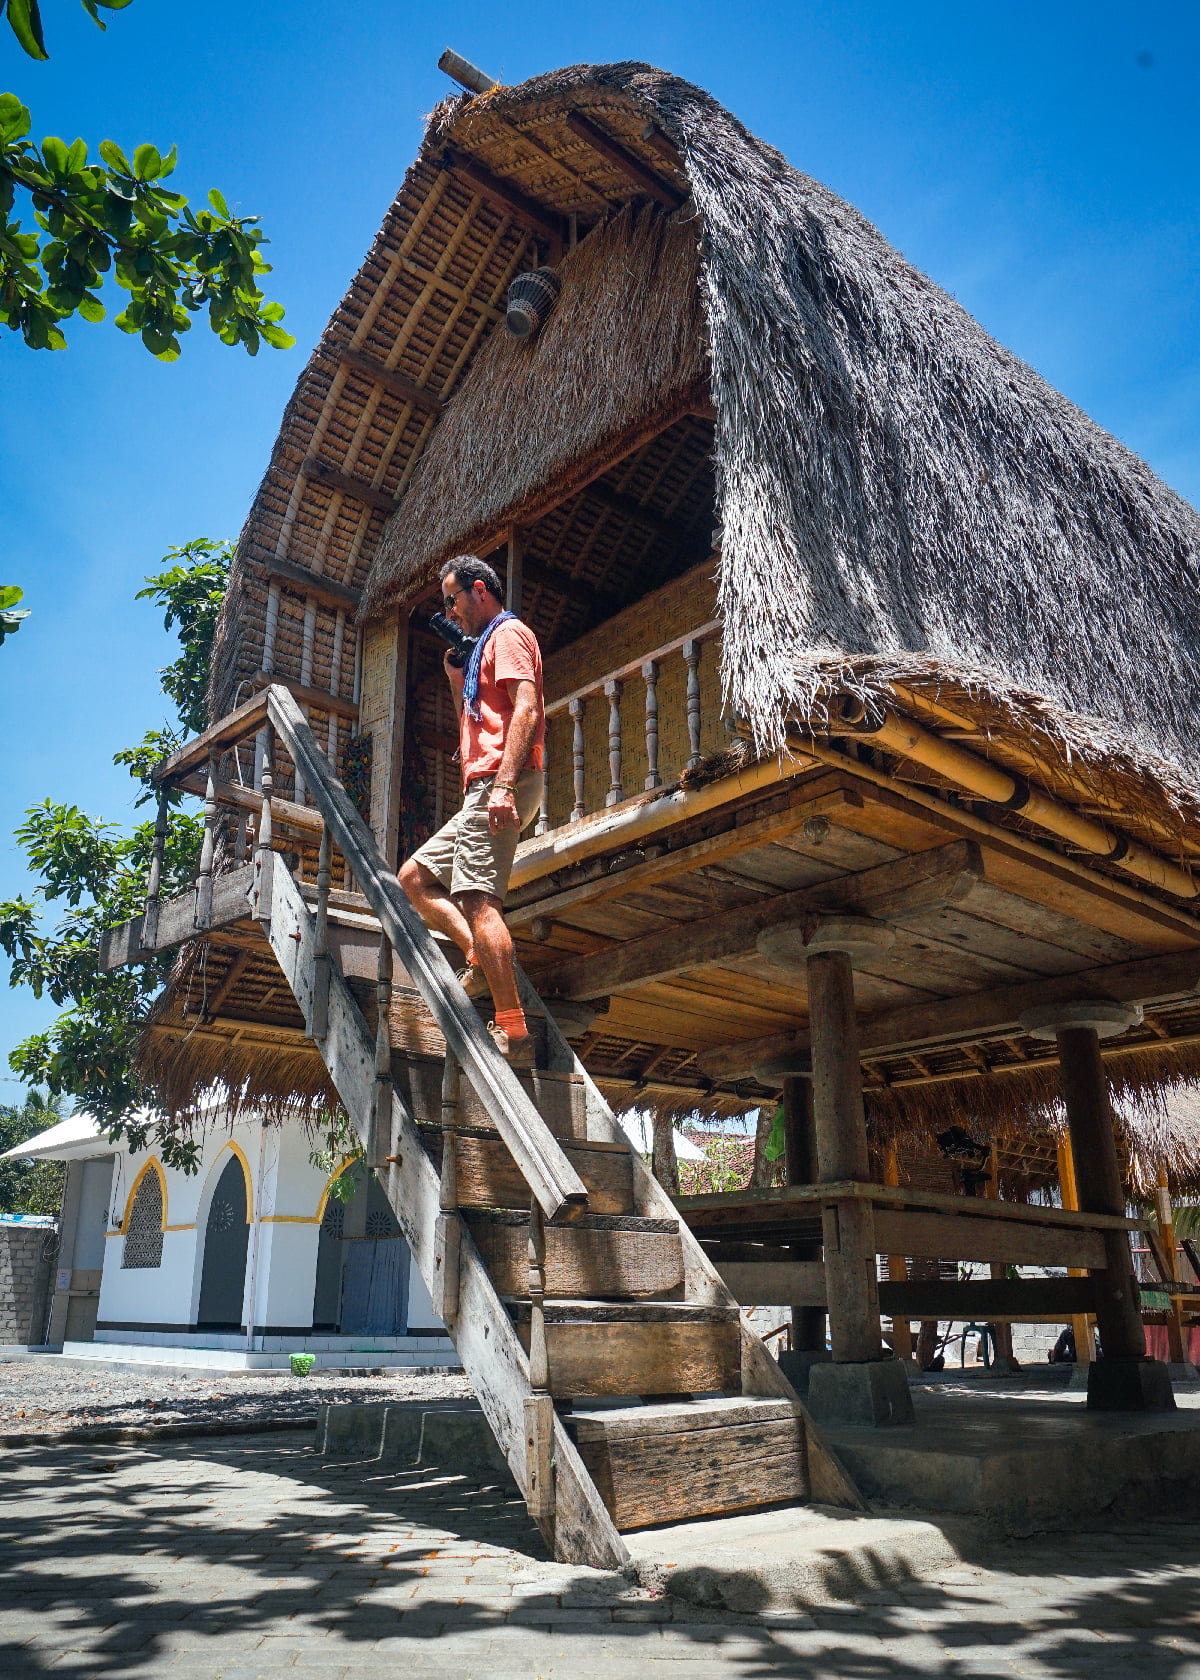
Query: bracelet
[{"x": 505, "y": 787}]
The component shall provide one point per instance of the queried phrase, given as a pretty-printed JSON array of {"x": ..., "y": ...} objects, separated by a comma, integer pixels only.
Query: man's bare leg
[
  {"x": 435, "y": 906},
  {"x": 493, "y": 947}
]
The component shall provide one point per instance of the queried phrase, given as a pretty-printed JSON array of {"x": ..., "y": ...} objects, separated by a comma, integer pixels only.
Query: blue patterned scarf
[{"x": 471, "y": 674}]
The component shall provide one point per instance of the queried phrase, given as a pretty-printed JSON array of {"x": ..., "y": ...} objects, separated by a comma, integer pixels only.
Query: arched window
[{"x": 143, "y": 1230}]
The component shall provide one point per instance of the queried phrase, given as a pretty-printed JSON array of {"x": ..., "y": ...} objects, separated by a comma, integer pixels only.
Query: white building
[{"x": 236, "y": 1266}]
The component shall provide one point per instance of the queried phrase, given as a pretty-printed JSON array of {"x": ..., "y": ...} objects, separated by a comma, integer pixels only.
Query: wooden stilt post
[
  {"x": 863, "y": 1384},
  {"x": 1081, "y": 1323},
  {"x": 1002, "y": 1340},
  {"x": 1122, "y": 1379},
  {"x": 1177, "y": 1351},
  {"x": 841, "y": 1134},
  {"x": 539, "y": 1406},
  {"x": 149, "y": 935},
  {"x": 897, "y": 1266},
  {"x": 799, "y": 1131}
]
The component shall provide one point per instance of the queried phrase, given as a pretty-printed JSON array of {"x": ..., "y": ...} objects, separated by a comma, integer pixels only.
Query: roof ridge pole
[{"x": 466, "y": 74}]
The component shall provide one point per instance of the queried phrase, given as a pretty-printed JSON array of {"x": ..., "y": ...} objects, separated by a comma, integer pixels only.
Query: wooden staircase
[{"x": 565, "y": 1276}]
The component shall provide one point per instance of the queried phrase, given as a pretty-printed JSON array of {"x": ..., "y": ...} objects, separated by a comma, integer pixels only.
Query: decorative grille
[
  {"x": 220, "y": 1216},
  {"x": 143, "y": 1235},
  {"x": 335, "y": 1217},
  {"x": 381, "y": 1224}
]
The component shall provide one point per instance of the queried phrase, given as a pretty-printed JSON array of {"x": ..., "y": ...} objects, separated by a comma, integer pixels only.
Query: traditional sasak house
[{"x": 873, "y": 763}]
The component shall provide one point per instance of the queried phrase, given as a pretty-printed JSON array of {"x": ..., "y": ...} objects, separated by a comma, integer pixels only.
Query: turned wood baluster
[
  {"x": 266, "y": 749},
  {"x": 154, "y": 877},
  {"x": 691, "y": 654},
  {"x": 576, "y": 710},
  {"x": 539, "y": 1361},
  {"x": 650, "y": 677},
  {"x": 612, "y": 690},
  {"x": 448, "y": 1232},
  {"x": 448, "y": 1194},
  {"x": 379, "y": 1142},
  {"x": 318, "y": 1024},
  {"x": 543, "y": 822},
  {"x": 203, "y": 915}
]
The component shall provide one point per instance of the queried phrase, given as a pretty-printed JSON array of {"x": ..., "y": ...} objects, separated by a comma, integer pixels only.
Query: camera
[{"x": 461, "y": 644}]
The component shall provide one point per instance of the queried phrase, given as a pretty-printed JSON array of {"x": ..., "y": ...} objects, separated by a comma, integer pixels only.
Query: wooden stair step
[
  {"x": 488, "y": 1177},
  {"x": 675, "y": 1462},
  {"x": 598, "y": 1256},
  {"x": 637, "y": 1347}
]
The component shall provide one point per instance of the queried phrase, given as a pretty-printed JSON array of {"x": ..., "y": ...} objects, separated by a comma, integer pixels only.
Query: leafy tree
[
  {"x": 10, "y": 617},
  {"x": 117, "y": 215},
  {"x": 93, "y": 874},
  {"x": 25, "y": 21},
  {"x": 30, "y": 1186}
]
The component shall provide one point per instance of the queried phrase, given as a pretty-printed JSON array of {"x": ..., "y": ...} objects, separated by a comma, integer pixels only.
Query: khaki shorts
[{"x": 465, "y": 855}]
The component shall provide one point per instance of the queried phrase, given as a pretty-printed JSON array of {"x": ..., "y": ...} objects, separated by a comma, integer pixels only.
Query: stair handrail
[{"x": 552, "y": 1180}]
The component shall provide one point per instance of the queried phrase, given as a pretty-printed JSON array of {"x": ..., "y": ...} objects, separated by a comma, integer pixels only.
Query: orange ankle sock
[
  {"x": 472, "y": 961},
  {"x": 512, "y": 1021}
]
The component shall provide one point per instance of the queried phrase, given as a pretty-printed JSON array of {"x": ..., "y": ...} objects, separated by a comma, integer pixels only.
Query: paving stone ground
[{"x": 237, "y": 1558}]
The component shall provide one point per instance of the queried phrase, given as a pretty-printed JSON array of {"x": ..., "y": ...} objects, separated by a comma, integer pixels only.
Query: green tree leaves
[
  {"x": 116, "y": 217},
  {"x": 91, "y": 875},
  {"x": 10, "y": 617},
  {"x": 30, "y": 1186},
  {"x": 25, "y": 21}
]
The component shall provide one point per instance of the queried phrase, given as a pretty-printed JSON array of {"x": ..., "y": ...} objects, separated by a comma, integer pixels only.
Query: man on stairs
[{"x": 458, "y": 878}]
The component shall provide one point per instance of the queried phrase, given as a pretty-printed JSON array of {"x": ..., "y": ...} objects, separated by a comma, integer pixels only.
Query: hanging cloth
[{"x": 471, "y": 674}]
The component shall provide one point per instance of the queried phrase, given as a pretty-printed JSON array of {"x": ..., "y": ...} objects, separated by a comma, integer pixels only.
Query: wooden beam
[
  {"x": 540, "y": 217},
  {"x": 621, "y": 158},
  {"x": 392, "y": 380},
  {"x": 326, "y": 589},
  {"x": 913, "y": 883},
  {"x": 631, "y": 508},
  {"x": 320, "y": 472},
  {"x": 774, "y": 1283},
  {"x": 986, "y": 1299},
  {"x": 233, "y": 974},
  {"x": 944, "y": 1236},
  {"x": 658, "y": 142},
  {"x": 1148, "y": 980},
  {"x": 319, "y": 698},
  {"x": 726, "y": 1206},
  {"x": 233, "y": 727}
]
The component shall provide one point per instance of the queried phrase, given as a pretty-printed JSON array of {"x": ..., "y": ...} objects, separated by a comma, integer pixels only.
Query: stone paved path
[{"x": 254, "y": 1557}]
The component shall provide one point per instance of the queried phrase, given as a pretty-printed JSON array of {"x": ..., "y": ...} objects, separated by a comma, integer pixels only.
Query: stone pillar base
[
  {"x": 1129, "y": 1385},
  {"x": 797, "y": 1363},
  {"x": 873, "y": 1393}
]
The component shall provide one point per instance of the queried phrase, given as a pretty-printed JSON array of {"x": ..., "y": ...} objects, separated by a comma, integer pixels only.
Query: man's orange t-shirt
[{"x": 511, "y": 655}]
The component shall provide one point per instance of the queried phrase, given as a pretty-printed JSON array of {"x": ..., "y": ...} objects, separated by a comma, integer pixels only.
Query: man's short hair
[{"x": 469, "y": 570}]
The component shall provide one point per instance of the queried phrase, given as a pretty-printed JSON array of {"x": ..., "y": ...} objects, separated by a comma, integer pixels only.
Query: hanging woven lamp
[{"x": 531, "y": 297}]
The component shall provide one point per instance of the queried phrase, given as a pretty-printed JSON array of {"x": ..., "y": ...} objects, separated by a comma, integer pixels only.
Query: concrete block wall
[{"x": 27, "y": 1255}]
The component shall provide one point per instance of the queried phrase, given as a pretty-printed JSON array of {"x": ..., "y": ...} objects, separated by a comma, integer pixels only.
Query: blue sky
[{"x": 1039, "y": 161}]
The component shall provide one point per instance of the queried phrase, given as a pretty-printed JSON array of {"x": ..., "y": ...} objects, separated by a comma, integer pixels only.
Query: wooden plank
[
  {"x": 639, "y": 1358},
  {"x": 939, "y": 1236},
  {"x": 322, "y": 472},
  {"x": 177, "y": 920},
  {"x": 488, "y": 1176},
  {"x": 606, "y": 1258},
  {"x": 677, "y": 1417},
  {"x": 506, "y": 194},
  {"x": 392, "y": 380},
  {"x": 547, "y": 1171},
  {"x": 887, "y": 889},
  {"x": 623, "y": 160},
  {"x": 234, "y": 727},
  {"x": 1154, "y": 980},
  {"x": 483, "y": 1334},
  {"x": 673, "y": 1477},
  {"x": 985, "y": 1299},
  {"x": 558, "y": 1098},
  {"x": 319, "y": 698},
  {"x": 775, "y": 1283},
  {"x": 323, "y": 588},
  {"x": 530, "y": 895},
  {"x": 781, "y": 1196}
]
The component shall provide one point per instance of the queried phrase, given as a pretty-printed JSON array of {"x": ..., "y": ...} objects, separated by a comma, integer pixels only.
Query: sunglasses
[{"x": 449, "y": 600}]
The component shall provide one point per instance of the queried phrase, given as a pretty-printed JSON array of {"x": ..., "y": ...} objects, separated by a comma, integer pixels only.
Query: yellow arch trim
[
  {"x": 246, "y": 1174},
  {"x": 152, "y": 1165},
  {"x": 331, "y": 1181}
]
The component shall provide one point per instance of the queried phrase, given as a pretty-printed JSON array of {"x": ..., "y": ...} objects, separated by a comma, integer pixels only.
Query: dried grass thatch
[
  {"x": 625, "y": 339},
  {"x": 913, "y": 492}
]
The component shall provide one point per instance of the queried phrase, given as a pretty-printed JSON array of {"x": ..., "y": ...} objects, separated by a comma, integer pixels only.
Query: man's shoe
[{"x": 517, "y": 1052}]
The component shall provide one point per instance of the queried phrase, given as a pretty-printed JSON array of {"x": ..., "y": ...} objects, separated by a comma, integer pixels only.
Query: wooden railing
[
  {"x": 275, "y": 717},
  {"x": 611, "y": 688}
]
